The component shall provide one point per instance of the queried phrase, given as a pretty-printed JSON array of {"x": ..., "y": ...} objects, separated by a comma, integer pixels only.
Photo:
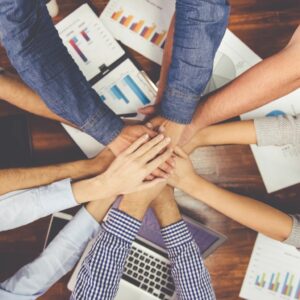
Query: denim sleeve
[
  {"x": 199, "y": 28},
  {"x": 39, "y": 56}
]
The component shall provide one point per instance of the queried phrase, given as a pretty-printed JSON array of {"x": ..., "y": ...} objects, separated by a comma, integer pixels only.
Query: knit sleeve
[
  {"x": 294, "y": 238},
  {"x": 277, "y": 131}
]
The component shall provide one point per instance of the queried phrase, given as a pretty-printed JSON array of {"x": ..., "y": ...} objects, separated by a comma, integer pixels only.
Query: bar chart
[
  {"x": 275, "y": 284},
  {"x": 89, "y": 43},
  {"x": 273, "y": 272},
  {"x": 148, "y": 32},
  {"x": 141, "y": 25},
  {"x": 125, "y": 90}
]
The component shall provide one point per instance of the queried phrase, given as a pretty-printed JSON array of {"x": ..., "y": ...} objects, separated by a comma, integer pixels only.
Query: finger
[
  {"x": 166, "y": 167},
  {"x": 150, "y": 177},
  {"x": 159, "y": 160},
  {"x": 150, "y": 184},
  {"x": 156, "y": 122},
  {"x": 136, "y": 144},
  {"x": 149, "y": 131},
  {"x": 148, "y": 110},
  {"x": 150, "y": 144},
  {"x": 149, "y": 125},
  {"x": 155, "y": 150},
  {"x": 178, "y": 151},
  {"x": 159, "y": 173}
]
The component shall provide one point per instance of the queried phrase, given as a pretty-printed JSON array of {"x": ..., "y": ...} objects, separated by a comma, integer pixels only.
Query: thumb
[{"x": 147, "y": 110}]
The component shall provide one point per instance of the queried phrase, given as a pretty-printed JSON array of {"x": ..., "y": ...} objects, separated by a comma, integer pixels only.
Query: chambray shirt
[
  {"x": 37, "y": 53},
  {"x": 35, "y": 278},
  {"x": 101, "y": 271}
]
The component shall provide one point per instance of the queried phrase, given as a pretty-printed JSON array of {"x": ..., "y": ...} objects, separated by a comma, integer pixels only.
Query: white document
[
  {"x": 88, "y": 41},
  {"x": 141, "y": 25},
  {"x": 273, "y": 272}
]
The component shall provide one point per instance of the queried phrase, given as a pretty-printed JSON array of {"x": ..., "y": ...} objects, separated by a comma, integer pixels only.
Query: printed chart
[
  {"x": 224, "y": 72},
  {"x": 273, "y": 272},
  {"x": 141, "y": 25},
  {"x": 125, "y": 90},
  {"x": 85, "y": 37}
]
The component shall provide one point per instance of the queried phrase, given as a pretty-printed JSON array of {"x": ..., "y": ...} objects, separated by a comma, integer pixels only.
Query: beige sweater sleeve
[
  {"x": 278, "y": 131},
  {"x": 294, "y": 238}
]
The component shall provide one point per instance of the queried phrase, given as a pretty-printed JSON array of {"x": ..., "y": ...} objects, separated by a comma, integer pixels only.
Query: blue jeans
[{"x": 37, "y": 53}]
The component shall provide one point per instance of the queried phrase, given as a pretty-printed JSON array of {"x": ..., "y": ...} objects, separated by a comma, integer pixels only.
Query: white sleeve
[
  {"x": 23, "y": 207},
  {"x": 34, "y": 279}
]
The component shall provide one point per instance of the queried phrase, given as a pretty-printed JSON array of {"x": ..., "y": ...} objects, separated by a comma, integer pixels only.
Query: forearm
[
  {"x": 165, "y": 208},
  {"x": 269, "y": 80},
  {"x": 247, "y": 211},
  {"x": 242, "y": 132},
  {"x": 192, "y": 62},
  {"x": 23, "y": 178},
  {"x": 15, "y": 92}
]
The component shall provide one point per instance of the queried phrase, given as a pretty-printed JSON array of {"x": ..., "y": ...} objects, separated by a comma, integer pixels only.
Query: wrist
[
  {"x": 133, "y": 207},
  {"x": 188, "y": 183}
]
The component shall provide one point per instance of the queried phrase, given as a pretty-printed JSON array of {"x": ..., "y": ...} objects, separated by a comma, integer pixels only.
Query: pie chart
[{"x": 224, "y": 71}]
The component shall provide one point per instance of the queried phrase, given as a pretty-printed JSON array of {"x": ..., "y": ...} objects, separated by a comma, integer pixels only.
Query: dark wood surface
[{"x": 266, "y": 26}]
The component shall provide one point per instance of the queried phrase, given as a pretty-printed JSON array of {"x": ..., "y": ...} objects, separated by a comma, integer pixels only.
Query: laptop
[{"x": 147, "y": 273}]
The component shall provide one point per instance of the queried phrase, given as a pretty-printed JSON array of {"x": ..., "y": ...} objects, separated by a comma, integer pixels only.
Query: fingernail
[
  {"x": 161, "y": 129},
  {"x": 167, "y": 139},
  {"x": 160, "y": 136},
  {"x": 146, "y": 136},
  {"x": 149, "y": 125}
]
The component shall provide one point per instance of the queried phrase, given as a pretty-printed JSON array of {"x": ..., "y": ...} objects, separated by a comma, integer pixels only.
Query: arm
[
  {"x": 192, "y": 280},
  {"x": 139, "y": 160},
  {"x": 199, "y": 28},
  {"x": 47, "y": 67},
  {"x": 98, "y": 280},
  {"x": 271, "y": 79},
  {"x": 34, "y": 279},
  {"x": 267, "y": 131},
  {"x": 247, "y": 211},
  {"x": 24, "y": 178}
]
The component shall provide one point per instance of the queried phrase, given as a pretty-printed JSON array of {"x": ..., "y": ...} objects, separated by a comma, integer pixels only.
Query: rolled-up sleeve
[
  {"x": 199, "y": 28},
  {"x": 39, "y": 56}
]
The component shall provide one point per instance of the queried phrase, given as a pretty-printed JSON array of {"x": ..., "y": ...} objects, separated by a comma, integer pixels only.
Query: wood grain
[{"x": 266, "y": 26}]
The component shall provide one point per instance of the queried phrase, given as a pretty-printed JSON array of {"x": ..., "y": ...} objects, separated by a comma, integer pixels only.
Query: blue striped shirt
[{"x": 101, "y": 272}]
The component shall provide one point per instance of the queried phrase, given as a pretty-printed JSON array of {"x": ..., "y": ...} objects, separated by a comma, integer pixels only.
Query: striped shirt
[{"x": 101, "y": 272}]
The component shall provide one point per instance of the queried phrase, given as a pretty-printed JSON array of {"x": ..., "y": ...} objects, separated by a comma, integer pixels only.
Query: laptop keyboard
[{"x": 149, "y": 274}]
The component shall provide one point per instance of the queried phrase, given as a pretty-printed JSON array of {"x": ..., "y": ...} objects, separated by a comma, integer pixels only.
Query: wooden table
[{"x": 266, "y": 26}]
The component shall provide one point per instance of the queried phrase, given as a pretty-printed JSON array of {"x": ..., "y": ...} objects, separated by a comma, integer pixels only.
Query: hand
[
  {"x": 183, "y": 171},
  {"x": 127, "y": 172},
  {"x": 170, "y": 129},
  {"x": 127, "y": 136},
  {"x": 189, "y": 131}
]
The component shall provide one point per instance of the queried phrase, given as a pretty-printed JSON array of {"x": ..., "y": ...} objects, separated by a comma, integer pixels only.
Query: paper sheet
[{"x": 273, "y": 272}]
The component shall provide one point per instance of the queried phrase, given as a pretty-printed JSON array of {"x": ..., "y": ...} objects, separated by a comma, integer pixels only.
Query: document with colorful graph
[
  {"x": 120, "y": 84},
  {"x": 273, "y": 272},
  {"x": 141, "y": 25}
]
